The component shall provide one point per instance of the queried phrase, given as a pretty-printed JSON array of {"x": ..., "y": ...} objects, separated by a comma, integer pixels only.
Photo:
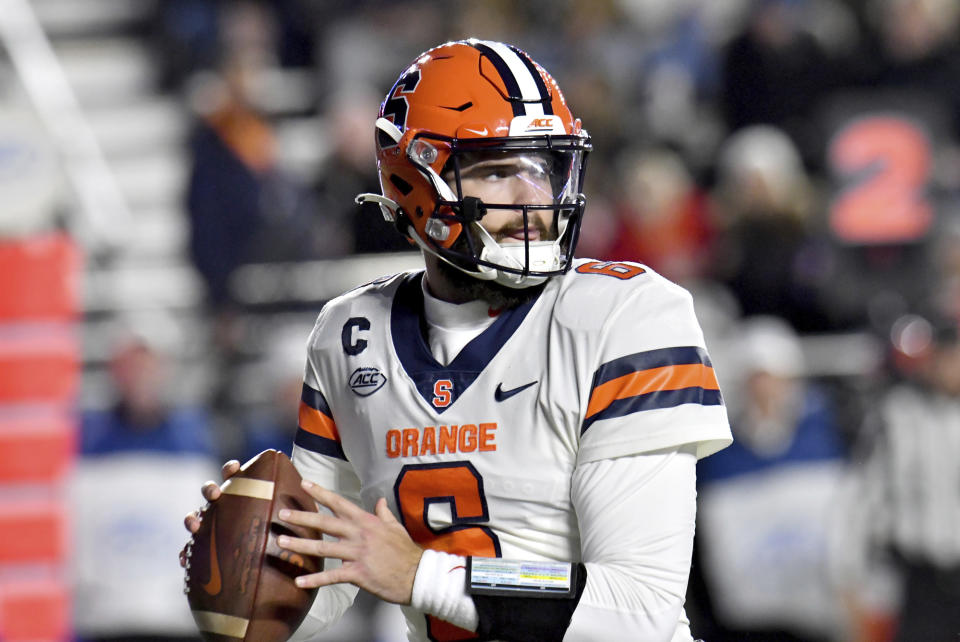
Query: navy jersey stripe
[
  {"x": 650, "y": 359},
  {"x": 315, "y": 399},
  {"x": 318, "y": 444},
  {"x": 656, "y": 400}
]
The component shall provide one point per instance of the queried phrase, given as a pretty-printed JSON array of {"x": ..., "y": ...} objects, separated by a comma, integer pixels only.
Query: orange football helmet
[{"x": 478, "y": 97}]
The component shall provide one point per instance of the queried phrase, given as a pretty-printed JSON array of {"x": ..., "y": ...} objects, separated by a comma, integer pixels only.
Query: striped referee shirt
[{"x": 907, "y": 493}]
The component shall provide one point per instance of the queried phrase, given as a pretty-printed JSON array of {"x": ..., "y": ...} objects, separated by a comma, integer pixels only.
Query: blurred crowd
[{"x": 794, "y": 163}]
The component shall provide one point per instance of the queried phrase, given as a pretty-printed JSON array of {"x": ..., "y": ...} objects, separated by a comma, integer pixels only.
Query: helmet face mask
[
  {"x": 473, "y": 134},
  {"x": 532, "y": 187}
]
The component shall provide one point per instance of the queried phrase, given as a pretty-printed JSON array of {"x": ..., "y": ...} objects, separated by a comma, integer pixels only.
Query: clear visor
[{"x": 507, "y": 177}]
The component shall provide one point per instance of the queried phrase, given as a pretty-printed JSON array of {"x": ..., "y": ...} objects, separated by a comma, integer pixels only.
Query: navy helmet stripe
[
  {"x": 315, "y": 399},
  {"x": 509, "y": 80},
  {"x": 545, "y": 97},
  {"x": 318, "y": 444},
  {"x": 655, "y": 400}
]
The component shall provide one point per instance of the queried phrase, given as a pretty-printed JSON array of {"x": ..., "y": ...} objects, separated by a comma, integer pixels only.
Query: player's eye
[
  {"x": 492, "y": 171},
  {"x": 534, "y": 166},
  {"x": 530, "y": 167}
]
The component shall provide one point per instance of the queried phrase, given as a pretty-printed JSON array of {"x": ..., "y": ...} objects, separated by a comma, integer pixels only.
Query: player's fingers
[
  {"x": 318, "y": 547},
  {"x": 300, "y": 545},
  {"x": 321, "y": 521},
  {"x": 183, "y": 557},
  {"x": 192, "y": 522},
  {"x": 210, "y": 490},
  {"x": 338, "y": 575},
  {"x": 383, "y": 511},
  {"x": 229, "y": 469},
  {"x": 337, "y": 503}
]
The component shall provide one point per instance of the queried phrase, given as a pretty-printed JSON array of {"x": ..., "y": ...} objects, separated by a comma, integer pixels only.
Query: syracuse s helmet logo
[{"x": 366, "y": 381}]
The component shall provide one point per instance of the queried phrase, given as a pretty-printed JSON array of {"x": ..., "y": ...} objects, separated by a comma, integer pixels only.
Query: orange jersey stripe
[
  {"x": 316, "y": 422},
  {"x": 694, "y": 375}
]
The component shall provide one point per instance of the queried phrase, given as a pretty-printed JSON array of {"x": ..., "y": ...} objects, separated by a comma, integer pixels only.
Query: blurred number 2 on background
[{"x": 883, "y": 164}]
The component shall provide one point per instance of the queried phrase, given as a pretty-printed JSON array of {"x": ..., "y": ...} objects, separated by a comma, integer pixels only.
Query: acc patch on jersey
[{"x": 366, "y": 381}]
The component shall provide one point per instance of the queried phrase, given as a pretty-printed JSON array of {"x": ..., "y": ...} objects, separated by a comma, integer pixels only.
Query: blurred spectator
[
  {"x": 186, "y": 34},
  {"x": 775, "y": 71},
  {"x": 768, "y": 250},
  {"x": 946, "y": 258},
  {"x": 347, "y": 172},
  {"x": 142, "y": 417},
  {"x": 765, "y": 503},
  {"x": 901, "y": 564},
  {"x": 141, "y": 461},
  {"x": 679, "y": 71},
  {"x": 661, "y": 217},
  {"x": 243, "y": 207},
  {"x": 915, "y": 48}
]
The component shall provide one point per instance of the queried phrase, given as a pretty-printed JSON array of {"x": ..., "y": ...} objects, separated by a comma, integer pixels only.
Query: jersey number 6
[
  {"x": 622, "y": 271},
  {"x": 460, "y": 487}
]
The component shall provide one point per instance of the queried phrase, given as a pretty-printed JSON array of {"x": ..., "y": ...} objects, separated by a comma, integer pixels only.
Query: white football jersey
[{"x": 475, "y": 457}]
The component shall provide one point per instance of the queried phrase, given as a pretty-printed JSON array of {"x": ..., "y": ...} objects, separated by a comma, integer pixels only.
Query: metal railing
[{"x": 103, "y": 219}]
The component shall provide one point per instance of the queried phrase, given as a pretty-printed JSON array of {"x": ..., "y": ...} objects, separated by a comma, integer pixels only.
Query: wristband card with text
[{"x": 496, "y": 576}]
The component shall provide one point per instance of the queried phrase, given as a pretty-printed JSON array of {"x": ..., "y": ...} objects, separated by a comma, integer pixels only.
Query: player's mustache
[{"x": 516, "y": 224}]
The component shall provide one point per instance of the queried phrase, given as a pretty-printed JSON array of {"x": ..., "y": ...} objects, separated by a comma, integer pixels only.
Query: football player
[{"x": 506, "y": 441}]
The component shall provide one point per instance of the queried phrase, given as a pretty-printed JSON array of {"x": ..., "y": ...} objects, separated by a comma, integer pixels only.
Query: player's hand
[
  {"x": 377, "y": 553},
  {"x": 211, "y": 492}
]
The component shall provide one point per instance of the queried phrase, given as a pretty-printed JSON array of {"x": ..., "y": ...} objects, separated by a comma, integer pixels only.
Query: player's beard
[{"x": 498, "y": 297}]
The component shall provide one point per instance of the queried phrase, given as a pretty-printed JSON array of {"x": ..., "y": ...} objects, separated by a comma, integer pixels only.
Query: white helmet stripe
[{"x": 529, "y": 90}]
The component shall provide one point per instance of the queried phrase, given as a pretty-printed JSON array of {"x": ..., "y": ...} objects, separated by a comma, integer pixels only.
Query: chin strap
[
  {"x": 388, "y": 206},
  {"x": 394, "y": 214},
  {"x": 544, "y": 255},
  {"x": 426, "y": 247}
]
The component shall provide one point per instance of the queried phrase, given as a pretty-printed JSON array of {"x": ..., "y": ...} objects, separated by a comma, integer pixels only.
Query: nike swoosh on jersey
[
  {"x": 502, "y": 395},
  {"x": 213, "y": 586}
]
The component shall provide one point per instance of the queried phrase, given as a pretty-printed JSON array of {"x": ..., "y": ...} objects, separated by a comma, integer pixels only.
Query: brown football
[{"x": 239, "y": 582}]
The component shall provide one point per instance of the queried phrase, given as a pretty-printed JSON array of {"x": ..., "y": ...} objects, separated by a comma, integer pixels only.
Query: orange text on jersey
[{"x": 438, "y": 440}]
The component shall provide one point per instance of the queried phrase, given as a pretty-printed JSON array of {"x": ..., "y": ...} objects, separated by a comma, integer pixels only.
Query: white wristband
[{"x": 440, "y": 589}]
